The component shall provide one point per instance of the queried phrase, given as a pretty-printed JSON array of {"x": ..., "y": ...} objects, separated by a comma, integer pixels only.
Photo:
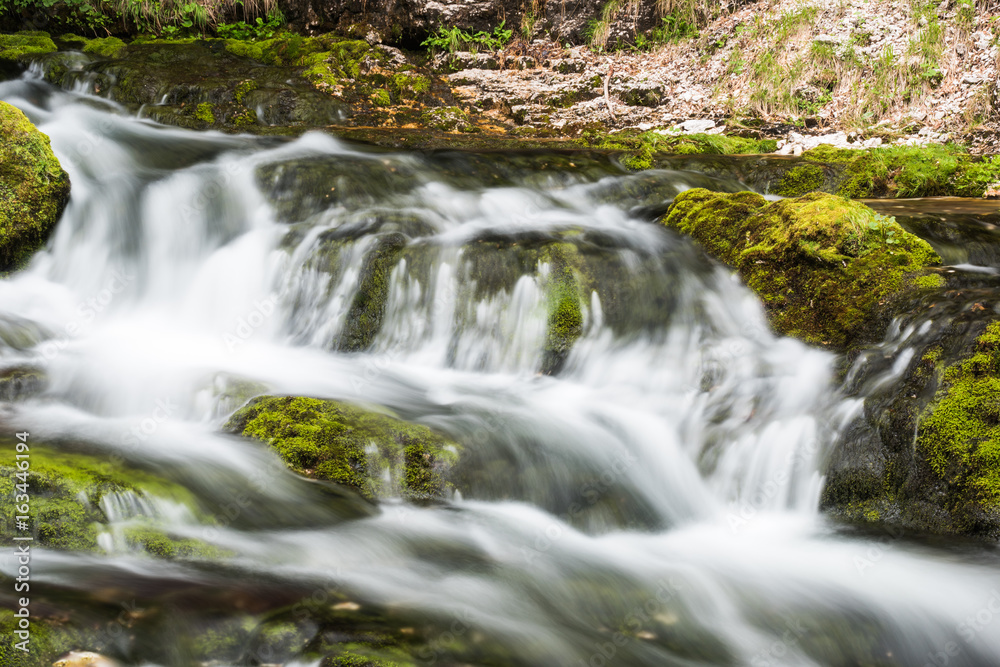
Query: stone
[{"x": 694, "y": 126}]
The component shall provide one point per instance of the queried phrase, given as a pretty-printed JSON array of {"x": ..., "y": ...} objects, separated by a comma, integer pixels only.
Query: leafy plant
[
  {"x": 455, "y": 39},
  {"x": 258, "y": 30}
]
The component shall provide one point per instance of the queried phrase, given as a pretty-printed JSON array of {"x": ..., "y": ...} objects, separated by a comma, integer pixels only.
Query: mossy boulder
[
  {"x": 923, "y": 456},
  {"x": 66, "y": 490},
  {"x": 824, "y": 266},
  {"x": 373, "y": 452},
  {"x": 20, "y": 47},
  {"x": 21, "y": 382},
  {"x": 106, "y": 47},
  {"x": 958, "y": 435},
  {"x": 34, "y": 188}
]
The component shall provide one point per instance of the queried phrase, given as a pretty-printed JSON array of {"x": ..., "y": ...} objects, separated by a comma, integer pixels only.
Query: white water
[{"x": 703, "y": 437}]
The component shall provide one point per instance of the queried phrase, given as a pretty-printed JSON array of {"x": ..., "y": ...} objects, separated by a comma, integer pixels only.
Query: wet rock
[
  {"x": 694, "y": 126},
  {"x": 21, "y": 382},
  {"x": 34, "y": 188},
  {"x": 823, "y": 265},
  {"x": 460, "y": 60},
  {"x": 375, "y": 453}
]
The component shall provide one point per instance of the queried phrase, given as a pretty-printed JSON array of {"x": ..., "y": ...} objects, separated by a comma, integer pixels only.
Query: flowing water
[{"x": 653, "y": 502}]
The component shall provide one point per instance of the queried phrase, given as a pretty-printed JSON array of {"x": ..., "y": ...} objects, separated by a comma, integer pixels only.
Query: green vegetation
[
  {"x": 802, "y": 85},
  {"x": 959, "y": 434},
  {"x": 259, "y": 29},
  {"x": 66, "y": 493},
  {"x": 33, "y": 188},
  {"x": 364, "y": 319},
  {"x": 374, "y": 453},
  {"x": 109, "y": 47},
  {"x": 204, "y": 113},
  {"x": 21, "y": 46},
  {"x": 565, "y": 321},
  {"x": 450, "y": 40},
  {"x": 823, "y": 265},
  {"x": 909, "y": 171},
  {"x": 641, "y": 149}
]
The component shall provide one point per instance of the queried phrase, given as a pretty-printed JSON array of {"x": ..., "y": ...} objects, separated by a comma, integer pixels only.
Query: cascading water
[{"x": 652, "y": 502}]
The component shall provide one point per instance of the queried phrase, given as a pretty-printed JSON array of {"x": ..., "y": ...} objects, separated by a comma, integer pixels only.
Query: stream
[{"x": 652, "y": 501}]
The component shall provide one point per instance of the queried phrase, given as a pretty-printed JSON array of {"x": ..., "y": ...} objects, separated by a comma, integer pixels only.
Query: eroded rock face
[
  {"x": 34, "y": 188},
  {"x": 407, "y": 22}
]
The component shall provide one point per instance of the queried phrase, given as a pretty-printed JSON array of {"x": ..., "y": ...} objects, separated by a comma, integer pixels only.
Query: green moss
[
  {"x": 329, "y": 62},
  {"x": 161, "y": 545},
  {"x": 243, "y": 118},
  {"x": 380, "y": 98},
  {"x": 66, "y": 491},
  {"x": 109, "y": 47},
  {"x": 801, "y": 180},
  {"x": 641, "y": 148},
  {"x": 204, "y": 113},
  {"x": 823, "y": 265},
  {"x": 908, "y": 171},
  {"x": 244, "y": 89},
  {"x": 348, "y": 445},
  {"x": 33, "y": 188},
  {"x": 565, "y": 320},
  {"x": 448, "y": 119},
  {"x": 409, "y": 85},
  {"x": 959, "y": 433},
  {"x": 364, "y": 319},
  {"x": 21, "y": 46}
]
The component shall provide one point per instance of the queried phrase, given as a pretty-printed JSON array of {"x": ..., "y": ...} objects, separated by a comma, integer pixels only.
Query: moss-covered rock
[
  {"x": 801, "y": 180},
  {"x": 107, "y": 47},
  {"x": 34, "y": 188},
  {"x": 641, "y": 150},
  {"x": 66, "y": 491},
  {"x": 565, "y": 320},
  {"x": 908, "y": 171},
  {"x": 364, "y": 318},
  {"x": 959, "y": 433},
  {"x": 375, "y": 453},
  {"x": 823, "y": 265},
  {"x": 20, "y": 47}
]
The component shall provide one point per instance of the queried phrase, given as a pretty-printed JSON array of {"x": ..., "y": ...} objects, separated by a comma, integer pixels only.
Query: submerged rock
[
  {"x": 375, "y": 453},
  {"x": 824, "y": 266},
  {"x": 34, "y": 188}
]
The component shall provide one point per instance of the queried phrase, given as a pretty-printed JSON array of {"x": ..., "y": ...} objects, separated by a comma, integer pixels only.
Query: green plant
[
  {"x": 674, "y": 28},
  {"x": 455, "y": 39},
  {"x": 186, "y": 16},
  {"x": 256, "y": 31}
]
